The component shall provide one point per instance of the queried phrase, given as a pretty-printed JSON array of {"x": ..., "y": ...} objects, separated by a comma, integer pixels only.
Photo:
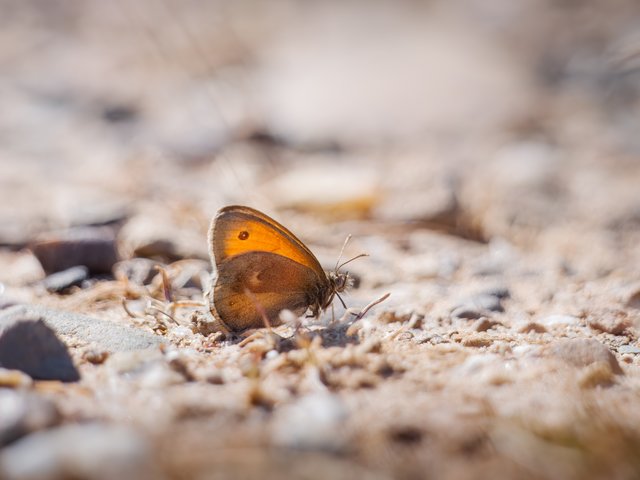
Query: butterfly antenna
[
  {"x": 351, "y": 260},
  {"x": 342, "y": 251}
]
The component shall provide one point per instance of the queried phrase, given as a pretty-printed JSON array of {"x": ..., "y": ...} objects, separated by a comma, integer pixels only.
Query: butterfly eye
[{"x": 243, "y": 235}]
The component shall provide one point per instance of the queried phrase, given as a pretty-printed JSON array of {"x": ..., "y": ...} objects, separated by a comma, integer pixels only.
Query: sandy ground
[{"x": 484, "y": 154}]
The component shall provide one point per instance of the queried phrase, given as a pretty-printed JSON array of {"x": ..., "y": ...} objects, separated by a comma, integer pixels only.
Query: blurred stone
[
  {"x": 631, "y": 349},
  {"x": 106, "y": 335},
  {"x": 86, "y": 211},
  {"x": 160, "y": 375},
  {"x": 20, "y": 268},
  {"x": 160, "y": 239},
  {"x": 529, "y": 327},
  {"x": 581, "y": 352},
  {"x": 6, "y": 303},
  {"x": 95, "y": 248},
  {"x": 611, "y": 323},
  {"x": 90, "y": 452},
  {"x": 14, "y": 379},
  {"x": 22, "y": 413},
  {"x": 633, "y": 300},
  {"x": 477, "y": 306},
  {"x": 484, "y": 324},
  {"x": 60, "y": 281},
  {"x": 479, "y": 339},
  {"x": 32, "y": 347},
  {"x": 469, "y": 313},
  {"x": 552, "y": 320},
  {"x": 500, "y": 292},
  {"x": 313, "y": 422},
  {"x": 596, "y": 374},
  {"x": 96, "y": 357},
  {"x": 334, "y": 189},
  {"x": 133, "y": 361}
]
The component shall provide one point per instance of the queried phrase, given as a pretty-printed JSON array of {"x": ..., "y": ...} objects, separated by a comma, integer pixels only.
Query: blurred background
[{"x": 484, "y": 118}]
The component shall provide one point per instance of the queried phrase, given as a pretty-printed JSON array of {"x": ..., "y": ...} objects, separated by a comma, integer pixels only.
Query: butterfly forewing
[{"x": 238, "y": 229}]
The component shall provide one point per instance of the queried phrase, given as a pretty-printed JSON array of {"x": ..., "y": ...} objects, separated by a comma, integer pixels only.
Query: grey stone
[
  {"x": 90, "y": 452},
  {"x": 33, "y": 348},
  {"x": 60, "y": 281},
  {"x": 106, "y": 335},
  {"x": 22, "y": 413}
]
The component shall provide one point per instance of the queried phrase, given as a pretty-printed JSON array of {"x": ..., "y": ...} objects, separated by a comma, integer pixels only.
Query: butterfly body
[{"x": 262, "y": 269}]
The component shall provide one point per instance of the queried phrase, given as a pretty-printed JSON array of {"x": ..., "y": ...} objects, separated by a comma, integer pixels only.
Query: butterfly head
[{"x": 340, "y": 281}]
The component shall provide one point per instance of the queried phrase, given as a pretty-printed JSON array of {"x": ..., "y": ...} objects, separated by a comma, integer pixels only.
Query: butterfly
[{"x": 262, "y": 268}]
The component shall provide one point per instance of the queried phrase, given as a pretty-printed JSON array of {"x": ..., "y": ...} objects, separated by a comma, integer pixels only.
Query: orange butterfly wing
[
  {"x": 260, "y": 262},
  {"x": 237, "y": 229}
]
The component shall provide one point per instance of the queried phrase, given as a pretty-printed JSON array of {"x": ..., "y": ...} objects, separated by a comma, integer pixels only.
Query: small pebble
[
  {"x": 389, "y": 316},
  {"x": 582, "y": 352},
  {"x": 477, "y": 340},
  {"x": 477, "y": 306},
  {"x": 46, "y": 358},
  {"x": 629, "y": 349},
  {"x": 96, "y": 357},
  {"x": 59, "y": 282},
  {"x": 532, "y": 327},
  {"x": 468, "y": 313},
  {"x": 483, "y": 324}
]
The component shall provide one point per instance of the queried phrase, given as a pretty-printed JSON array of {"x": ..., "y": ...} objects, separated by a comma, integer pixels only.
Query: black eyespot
[{"x": 243, "y": 235}]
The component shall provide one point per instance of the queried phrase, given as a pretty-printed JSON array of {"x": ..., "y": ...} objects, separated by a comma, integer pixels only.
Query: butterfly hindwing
[{"x": 269, "y": 280}]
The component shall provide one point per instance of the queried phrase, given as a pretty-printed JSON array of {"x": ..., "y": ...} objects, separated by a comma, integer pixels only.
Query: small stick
[
  {"x": 166, "y": 284},
  {"x": 126, "y": 309}
]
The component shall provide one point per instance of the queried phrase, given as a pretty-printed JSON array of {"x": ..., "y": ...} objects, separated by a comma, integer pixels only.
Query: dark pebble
[
  {"x": 59, "y": 282},
  {"x": 477, "y": 306},
  {"x": 33, "y": 348},
  {"x": 498, "y": 292},
  {"x": 95, "y": 248},
  {"x": 469, "y": 313}
]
